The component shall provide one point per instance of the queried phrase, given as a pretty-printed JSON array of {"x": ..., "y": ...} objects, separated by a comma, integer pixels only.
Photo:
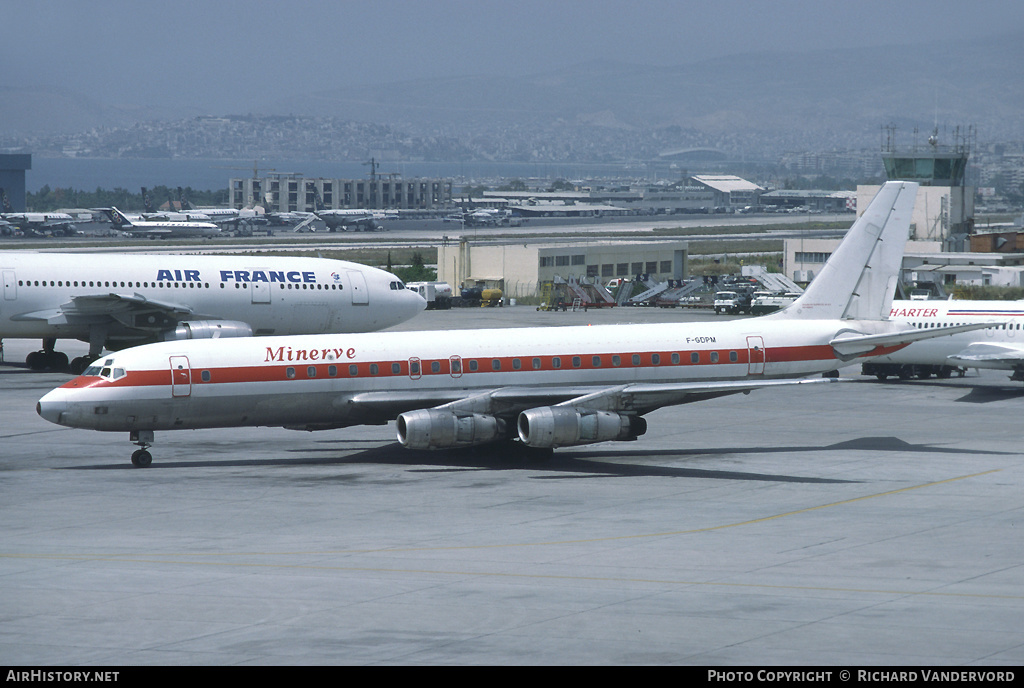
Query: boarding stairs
[
  {"x": 674, "y": 295},
  {"x": 653, "y": 289},
  {"x": 772, "y": 281}
]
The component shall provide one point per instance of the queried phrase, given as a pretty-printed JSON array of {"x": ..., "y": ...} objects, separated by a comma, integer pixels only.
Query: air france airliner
[
  {"x": 115, "y": 301},
  {"x": 541, "y": 387}
]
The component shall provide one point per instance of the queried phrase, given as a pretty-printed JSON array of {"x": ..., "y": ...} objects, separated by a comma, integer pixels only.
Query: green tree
[{"x": 417, "y": 272}]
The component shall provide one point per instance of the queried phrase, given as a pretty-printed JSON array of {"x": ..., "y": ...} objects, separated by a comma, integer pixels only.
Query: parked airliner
[
  {"x": 1000, "y": 347},
  {"x": 544, "y": 387},
  {"x": 161, "y": 229},
  {"x": 37, "y": 223},
  {"x": 118, "y": 300}
]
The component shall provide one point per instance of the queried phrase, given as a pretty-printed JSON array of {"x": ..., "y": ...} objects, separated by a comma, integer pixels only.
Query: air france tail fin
[{"x": 859, "y": 279}]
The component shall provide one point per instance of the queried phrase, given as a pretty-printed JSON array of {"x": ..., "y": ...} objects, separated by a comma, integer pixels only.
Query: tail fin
[
  {"x": 147, "y": 202},
  {"x": 318, "y": 203},
  {"x": 859, "y": 279},
  {"x": 184, "y": 202},
  {"x": 118, "y": 219},
  {"x": 6, "y": 202}
]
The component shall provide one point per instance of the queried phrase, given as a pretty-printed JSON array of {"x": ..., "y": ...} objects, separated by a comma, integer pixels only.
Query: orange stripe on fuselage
[{"x": 387, "y": 369}]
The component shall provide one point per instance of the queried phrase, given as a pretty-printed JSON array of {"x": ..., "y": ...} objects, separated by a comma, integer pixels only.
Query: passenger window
[
  {"x": 495, "y": 364},
  {"x": 206, "y": 375},
  {"x": 733, "y": 357},
  {"x": 435, "y": 366},
  {"x": 332, "y": 371},
  {"x": 656, "y": 359},
  {"x": 714, "y": 357},
  {"x": 675, "y": 358},
  {"x": 694, "y": 357},
  {"x": 556, "y": 362},
  {"x": 374, "y": 370},
  {"x": 289, "y": 373},
  {"x": 311, "y": 371},
  {"x": 636, "y": 359},
  {"x": 616, "y": 361},
  {"x": 395, "y": 368},
  {"x": 353, "y": 370},
  {"x": 596, "y": 361}
]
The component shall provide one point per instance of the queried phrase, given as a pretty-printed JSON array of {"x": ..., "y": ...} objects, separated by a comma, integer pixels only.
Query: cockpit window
[{"x": 106, "y": 371}]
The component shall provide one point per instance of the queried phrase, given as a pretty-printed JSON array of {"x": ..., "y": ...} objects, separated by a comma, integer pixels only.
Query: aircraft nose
[{"x": 52, "y": 406}]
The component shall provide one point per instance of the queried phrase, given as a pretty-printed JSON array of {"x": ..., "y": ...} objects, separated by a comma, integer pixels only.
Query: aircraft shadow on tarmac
[
  {"x": 585, "y": 463},
  {"x": 981, "y": 393}
]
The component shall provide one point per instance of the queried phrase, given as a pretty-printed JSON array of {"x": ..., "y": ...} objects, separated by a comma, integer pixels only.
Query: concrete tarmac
[{"x": 853, "y": 524}]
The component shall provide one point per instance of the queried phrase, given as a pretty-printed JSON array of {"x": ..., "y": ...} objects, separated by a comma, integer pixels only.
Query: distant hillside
[
  {"x": 752, "y": 104},
  {"x": 837, "y": 98},
  {"x": 38, "y": 110}
]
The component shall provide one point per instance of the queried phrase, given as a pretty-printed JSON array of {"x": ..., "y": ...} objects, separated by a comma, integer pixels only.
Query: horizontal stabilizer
[
  {"x": 984, "y": 355},
  {"x": 849, "y": 345}
]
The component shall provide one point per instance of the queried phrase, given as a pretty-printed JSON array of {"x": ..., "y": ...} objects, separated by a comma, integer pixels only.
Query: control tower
[{"x": 945, "y": 204}]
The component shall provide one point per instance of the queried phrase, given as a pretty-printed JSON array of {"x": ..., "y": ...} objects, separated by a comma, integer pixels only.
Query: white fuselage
[
  {"x": 1008, "y": 315},
  {"x": 323, "y": 380},
  {"x": 274, "y": 295}
]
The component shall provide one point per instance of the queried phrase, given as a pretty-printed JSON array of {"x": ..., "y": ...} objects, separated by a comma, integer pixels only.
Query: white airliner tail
[{"x": 858, "y": 280}]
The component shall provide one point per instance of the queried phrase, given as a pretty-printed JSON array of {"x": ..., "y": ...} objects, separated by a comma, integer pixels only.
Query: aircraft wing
[
  {"x": 985, "y": 355},
  {"x": 639, "y": 398},
  {"x": 850, "y": 345},
  {"x": 131, "y": 310}
]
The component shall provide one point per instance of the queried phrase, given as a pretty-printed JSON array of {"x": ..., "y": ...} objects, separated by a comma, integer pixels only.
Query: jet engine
[
  {"x": 550, "y": 426},
  {"x": 439, "y": 429},
  {"x": 208, "y": 329}
]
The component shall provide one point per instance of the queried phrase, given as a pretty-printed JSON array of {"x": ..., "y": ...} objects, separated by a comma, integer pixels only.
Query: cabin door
[
  {"x": 755, "y": 355},
  {"x": 181, "y": 377},
  {"x": 357, "y": 282},
  {"x": 10, "y": 286},
  {"x": 260, "y": 290}
]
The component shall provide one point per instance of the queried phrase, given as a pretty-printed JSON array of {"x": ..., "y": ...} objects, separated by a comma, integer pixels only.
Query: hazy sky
[{"x": 218, "y": 54}]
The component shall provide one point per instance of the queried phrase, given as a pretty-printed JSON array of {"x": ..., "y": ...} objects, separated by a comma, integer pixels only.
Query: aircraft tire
[{"x": 142, "y": 458}]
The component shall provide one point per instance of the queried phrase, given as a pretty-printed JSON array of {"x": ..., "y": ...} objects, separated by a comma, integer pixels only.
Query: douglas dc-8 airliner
[
  {"x": 543, "y": 387},
  {"x": 115, "y": 301}
]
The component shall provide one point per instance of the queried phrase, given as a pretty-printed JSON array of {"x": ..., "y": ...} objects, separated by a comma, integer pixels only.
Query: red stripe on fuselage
[{"x": 400, "y": 368}]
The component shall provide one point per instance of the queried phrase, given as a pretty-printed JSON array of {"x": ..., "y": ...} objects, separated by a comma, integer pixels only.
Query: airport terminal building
[{"x": 289, "y": 193}]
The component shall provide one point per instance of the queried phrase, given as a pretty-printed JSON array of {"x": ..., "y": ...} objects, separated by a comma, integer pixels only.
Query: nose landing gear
[{"x": 141, "y": 458}]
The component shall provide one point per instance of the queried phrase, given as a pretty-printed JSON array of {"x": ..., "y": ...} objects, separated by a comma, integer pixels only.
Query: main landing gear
[
  {"x": 141, "y": 458},
  {"x": 47, "y": 358},
  {"x": 57, "y": 361}
]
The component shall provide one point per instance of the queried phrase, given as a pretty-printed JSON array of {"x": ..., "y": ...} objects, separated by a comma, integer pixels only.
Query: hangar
[{"x": 518, "y": 269}]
